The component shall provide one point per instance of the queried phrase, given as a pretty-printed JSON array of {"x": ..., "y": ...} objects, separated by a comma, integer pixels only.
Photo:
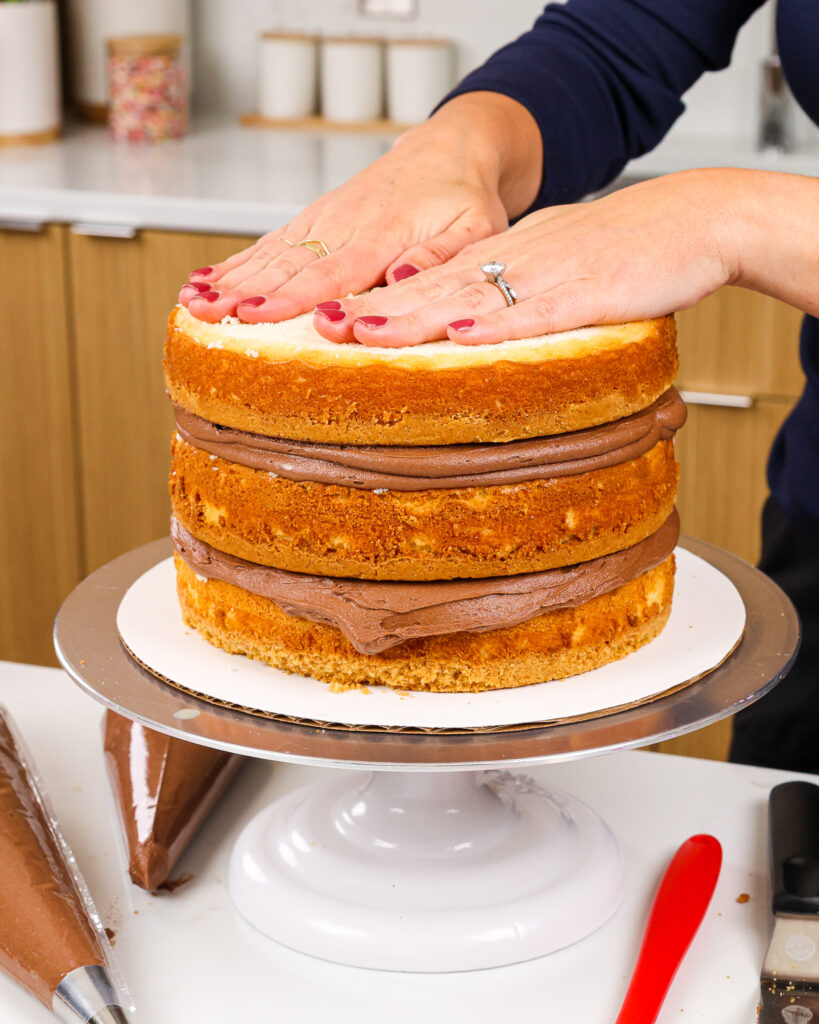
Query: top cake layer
[{"x": 285, "y": 380}]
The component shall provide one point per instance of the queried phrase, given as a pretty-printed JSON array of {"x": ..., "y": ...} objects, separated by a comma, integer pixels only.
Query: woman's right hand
[{"x": 447, "y": 183}]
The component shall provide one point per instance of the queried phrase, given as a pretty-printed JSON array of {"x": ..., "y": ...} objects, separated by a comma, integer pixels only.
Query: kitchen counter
[
  {"x": 226, "y": 178},
  {"x": 188, "y": 956}
]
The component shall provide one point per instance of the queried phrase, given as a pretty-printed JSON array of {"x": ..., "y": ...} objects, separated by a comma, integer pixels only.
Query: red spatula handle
[{"x": 676, "y": 913}]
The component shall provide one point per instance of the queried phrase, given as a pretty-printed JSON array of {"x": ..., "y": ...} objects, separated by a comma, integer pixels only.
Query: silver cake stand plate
[{"x": 438, "y": 858}]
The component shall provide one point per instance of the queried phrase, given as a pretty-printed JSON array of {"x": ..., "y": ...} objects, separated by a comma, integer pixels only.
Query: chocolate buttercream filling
[
  {"x": 45, "y": 929},
  {"x": 375, "y": 615},
  {"x": 165, "y": 788},
  {"x": 397, "y": 468}
]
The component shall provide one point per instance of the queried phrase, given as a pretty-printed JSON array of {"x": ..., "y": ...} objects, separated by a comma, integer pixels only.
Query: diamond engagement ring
[{"x": 494, "y": 275}]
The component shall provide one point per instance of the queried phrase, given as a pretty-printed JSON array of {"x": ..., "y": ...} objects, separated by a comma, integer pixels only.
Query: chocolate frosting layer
[
  {"x": 376, "y": 615},
  {"x": 398, "y": 468},
  {"x": 165, "y": 788},
  {"x": 45, "y": 930}
]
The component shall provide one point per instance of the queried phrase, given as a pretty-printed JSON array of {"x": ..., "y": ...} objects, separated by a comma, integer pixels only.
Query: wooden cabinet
[
  {"x": 734, "y": 344},
  {"x": 83, "y": 412},
  {"x": 41, "y": 556}
]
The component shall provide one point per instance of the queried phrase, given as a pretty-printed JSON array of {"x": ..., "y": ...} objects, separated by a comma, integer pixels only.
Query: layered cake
[{"x": 441, "y": 517}]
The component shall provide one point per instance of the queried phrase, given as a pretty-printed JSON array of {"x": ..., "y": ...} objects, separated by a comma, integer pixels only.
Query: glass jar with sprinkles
[{"x": 147, "y": 88}]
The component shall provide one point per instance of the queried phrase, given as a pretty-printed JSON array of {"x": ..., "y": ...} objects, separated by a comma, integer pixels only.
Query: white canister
[
  {"x": 288, "y": 75},
  {"x": 90, "y": 23},
  {"x": 419, "y": 75},
  {"x": 29, "y": 72},
  {"x": 352, "y": 79}
]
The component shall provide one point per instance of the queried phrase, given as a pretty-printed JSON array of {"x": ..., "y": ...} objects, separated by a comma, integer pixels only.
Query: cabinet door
[
  {"x": 723, "y": 453},
  {"x": 122, "y": 292},
  {"x": 40, "y": 547},
  {"x": 740, "y": 342}
]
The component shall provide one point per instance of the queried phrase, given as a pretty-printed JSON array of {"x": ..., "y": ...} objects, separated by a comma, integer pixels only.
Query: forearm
[
  {"x": 487, "y": 138},
  {"x": 773, "y": 236}
]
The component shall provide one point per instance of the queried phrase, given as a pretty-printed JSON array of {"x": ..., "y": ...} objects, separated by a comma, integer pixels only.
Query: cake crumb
[
  {"x": 111, "y": 935},
  {"x": 338, "y": 687},
  {"x": 743, "y": 897}
]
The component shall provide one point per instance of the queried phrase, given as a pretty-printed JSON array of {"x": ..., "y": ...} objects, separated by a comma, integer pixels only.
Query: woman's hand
[
  {"x": 445, "y": 184},
  {"x": 644, "y": 251},
  {"x": 647, "y": 250}
]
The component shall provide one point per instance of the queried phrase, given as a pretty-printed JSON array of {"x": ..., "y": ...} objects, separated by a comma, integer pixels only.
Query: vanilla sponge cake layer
[
  {"x": 284, "y": 380},
  {"x": 553, "y": 645},
  {"x": 420, "y": 535}
]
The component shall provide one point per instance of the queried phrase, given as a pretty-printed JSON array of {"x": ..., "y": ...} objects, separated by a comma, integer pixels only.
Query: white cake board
[
  {"x": 429, "y": 871},
  {"x": 706, "y": 623}
]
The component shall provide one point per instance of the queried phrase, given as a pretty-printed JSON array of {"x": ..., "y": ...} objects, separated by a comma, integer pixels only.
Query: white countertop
[
  {"x": 189, "y": 957},
  {"x": 227, "y": 178}
]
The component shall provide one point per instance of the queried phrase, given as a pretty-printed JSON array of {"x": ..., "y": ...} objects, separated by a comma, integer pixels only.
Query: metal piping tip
[
  {"x": 109, "y": 1015},
  {"x": 87, "y": 996}
]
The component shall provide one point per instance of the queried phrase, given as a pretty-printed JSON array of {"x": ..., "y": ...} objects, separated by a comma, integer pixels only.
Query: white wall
[{"x": 225, "y": 51}]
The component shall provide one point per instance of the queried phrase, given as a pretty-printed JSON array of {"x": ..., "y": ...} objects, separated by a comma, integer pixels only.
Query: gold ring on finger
[
  {"x": 316, "y": 246},
  {"x": 493, "y": 271}
]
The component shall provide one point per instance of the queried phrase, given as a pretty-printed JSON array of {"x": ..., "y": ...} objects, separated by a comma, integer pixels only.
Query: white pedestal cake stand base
[
  {"x": 432, "y": 863},
  {"x": 427, "y": 872}
]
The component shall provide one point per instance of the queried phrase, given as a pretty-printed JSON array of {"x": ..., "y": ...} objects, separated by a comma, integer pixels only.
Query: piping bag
[
  {"x": 51, "y": 937},
  {"x": 164, "y": 788}
]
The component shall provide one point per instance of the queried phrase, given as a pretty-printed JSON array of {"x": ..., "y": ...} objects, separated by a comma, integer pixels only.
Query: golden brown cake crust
[
  {"x": 551, "y": 646},
  {"x": 420, "y": 535},
  {"x": 381, "y": 402}
]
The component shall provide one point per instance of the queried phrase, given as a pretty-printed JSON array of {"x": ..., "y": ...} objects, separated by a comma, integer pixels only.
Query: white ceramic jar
[
  {"x": 419, "y": 75},
  {"x": 288, "y": 75},
  {"x": 29, "y": 72},
  {"x": 90, "y": 23},
  {"x": 352, "y": 79}
]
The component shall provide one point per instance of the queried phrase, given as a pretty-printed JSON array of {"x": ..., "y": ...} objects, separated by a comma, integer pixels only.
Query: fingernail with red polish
[
  {"x": 405, "y": 270},
  {"x": 462, "y": 325},
  {"x": 254, "y": 300},
  {"x": 372, "y": 322},
  {"x": 209, "y": 296},
  {"x": 330, "y": 304},
  {"x": 335, "y": 316},
  {"x": 202, "y": 272},
  {"x": 200, "y": 286}
]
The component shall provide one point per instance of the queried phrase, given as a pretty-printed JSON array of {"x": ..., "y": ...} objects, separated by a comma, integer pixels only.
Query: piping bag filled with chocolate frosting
[
  {"x": 165, "y": 788},
  {"x": 51, "y": 938}
]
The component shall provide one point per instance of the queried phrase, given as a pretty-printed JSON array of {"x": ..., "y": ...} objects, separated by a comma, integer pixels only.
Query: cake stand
[{"x": 438, "y": 858}]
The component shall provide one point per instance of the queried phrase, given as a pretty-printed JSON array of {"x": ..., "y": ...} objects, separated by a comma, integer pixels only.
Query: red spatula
[{"x": 676, "y": 913}]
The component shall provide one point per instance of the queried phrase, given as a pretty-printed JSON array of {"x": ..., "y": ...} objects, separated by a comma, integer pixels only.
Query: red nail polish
[
  {"x": 405, "y": 270},
  {"x": 202, "y": 272},
  {"x": 335, "y": 316},
  {"x": 330, "y": 304},
  {"x": 462, "y": 325},
  {"x": 254, "y": 300},
  {"x": 372, "y": 321},
  {"x": 200, "y": 286},
  {"x": 209, "y": 296}
]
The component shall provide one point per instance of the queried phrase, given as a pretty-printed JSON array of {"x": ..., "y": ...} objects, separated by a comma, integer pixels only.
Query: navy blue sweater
[{"x": 604, "y": 81}]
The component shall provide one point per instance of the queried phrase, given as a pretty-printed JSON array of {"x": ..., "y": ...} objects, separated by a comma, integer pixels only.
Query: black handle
[{"x": 793, "y": 824}]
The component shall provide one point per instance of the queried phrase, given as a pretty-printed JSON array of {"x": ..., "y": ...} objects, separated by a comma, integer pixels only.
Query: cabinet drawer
[{"x": 740, "y": 342}]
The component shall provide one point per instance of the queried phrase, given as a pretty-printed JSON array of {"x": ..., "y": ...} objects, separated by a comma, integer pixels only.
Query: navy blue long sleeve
[{"x": 604, "y": 79}]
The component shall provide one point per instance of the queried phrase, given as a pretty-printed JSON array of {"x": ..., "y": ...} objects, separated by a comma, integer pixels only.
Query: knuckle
[{"x": 474, "y": 296}]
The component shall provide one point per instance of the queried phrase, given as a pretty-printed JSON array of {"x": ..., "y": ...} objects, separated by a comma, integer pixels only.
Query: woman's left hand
[{"x": 641, "y": 252}]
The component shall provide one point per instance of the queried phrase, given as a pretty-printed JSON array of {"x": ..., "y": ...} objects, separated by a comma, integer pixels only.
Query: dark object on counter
[
  {"x": 49, "y": 940},
  {"x": 678, "y": 909},
  {"x": 790, "y": 973},
  {"x": 165, "y": 788}
]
